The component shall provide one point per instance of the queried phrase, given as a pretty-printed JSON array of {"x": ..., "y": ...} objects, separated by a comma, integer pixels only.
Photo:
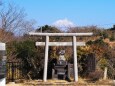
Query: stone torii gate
[{"x": 73, "y": 43}]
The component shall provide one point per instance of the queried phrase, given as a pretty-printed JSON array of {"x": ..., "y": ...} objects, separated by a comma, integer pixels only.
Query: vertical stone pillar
[
  {"x": 105, "y": 73},
  {"x": 2, "y": 64},
  {"x": 75, "y": 59},
  {"x": 46, "y": 59}
]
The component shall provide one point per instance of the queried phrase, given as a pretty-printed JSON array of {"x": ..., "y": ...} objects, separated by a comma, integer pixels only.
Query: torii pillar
[{"x": 46, "y": 58}]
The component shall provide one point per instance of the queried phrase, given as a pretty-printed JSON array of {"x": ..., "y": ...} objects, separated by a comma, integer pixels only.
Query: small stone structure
[{"x": 60, "y": 67}]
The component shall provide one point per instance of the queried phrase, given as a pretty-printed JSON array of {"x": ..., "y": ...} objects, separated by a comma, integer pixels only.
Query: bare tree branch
[{"x": 12, "y": 20}]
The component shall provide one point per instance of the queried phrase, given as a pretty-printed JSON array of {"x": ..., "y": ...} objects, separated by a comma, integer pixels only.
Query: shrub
[
  {"x": 112, "y": 37},
  {"x": 94, "y": 76}
]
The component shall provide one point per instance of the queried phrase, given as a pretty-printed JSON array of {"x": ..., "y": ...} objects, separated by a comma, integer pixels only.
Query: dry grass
[{"x": 81, "y": 82}]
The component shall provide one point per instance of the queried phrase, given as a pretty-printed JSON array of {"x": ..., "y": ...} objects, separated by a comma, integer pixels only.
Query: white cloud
[{"x": 63, "y": 23}]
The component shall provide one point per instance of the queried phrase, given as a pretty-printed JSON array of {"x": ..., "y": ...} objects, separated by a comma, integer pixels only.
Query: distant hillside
[{"x": 112, "y": 44}]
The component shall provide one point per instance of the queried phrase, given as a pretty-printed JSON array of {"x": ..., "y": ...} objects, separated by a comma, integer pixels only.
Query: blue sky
[{"x": 76, "y": 12}]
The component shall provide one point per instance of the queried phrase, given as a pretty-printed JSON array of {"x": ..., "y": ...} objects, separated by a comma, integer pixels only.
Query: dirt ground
[
  {"x": 14, "y": 85},
  {"x": 62, "y": 83}
]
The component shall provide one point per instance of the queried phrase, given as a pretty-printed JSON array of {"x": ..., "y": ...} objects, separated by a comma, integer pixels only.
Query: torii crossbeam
[{"x": 73, "y": 43}]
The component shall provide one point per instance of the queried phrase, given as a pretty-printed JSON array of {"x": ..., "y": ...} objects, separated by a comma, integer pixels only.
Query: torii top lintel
[{"x": 60, "y": 34}]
